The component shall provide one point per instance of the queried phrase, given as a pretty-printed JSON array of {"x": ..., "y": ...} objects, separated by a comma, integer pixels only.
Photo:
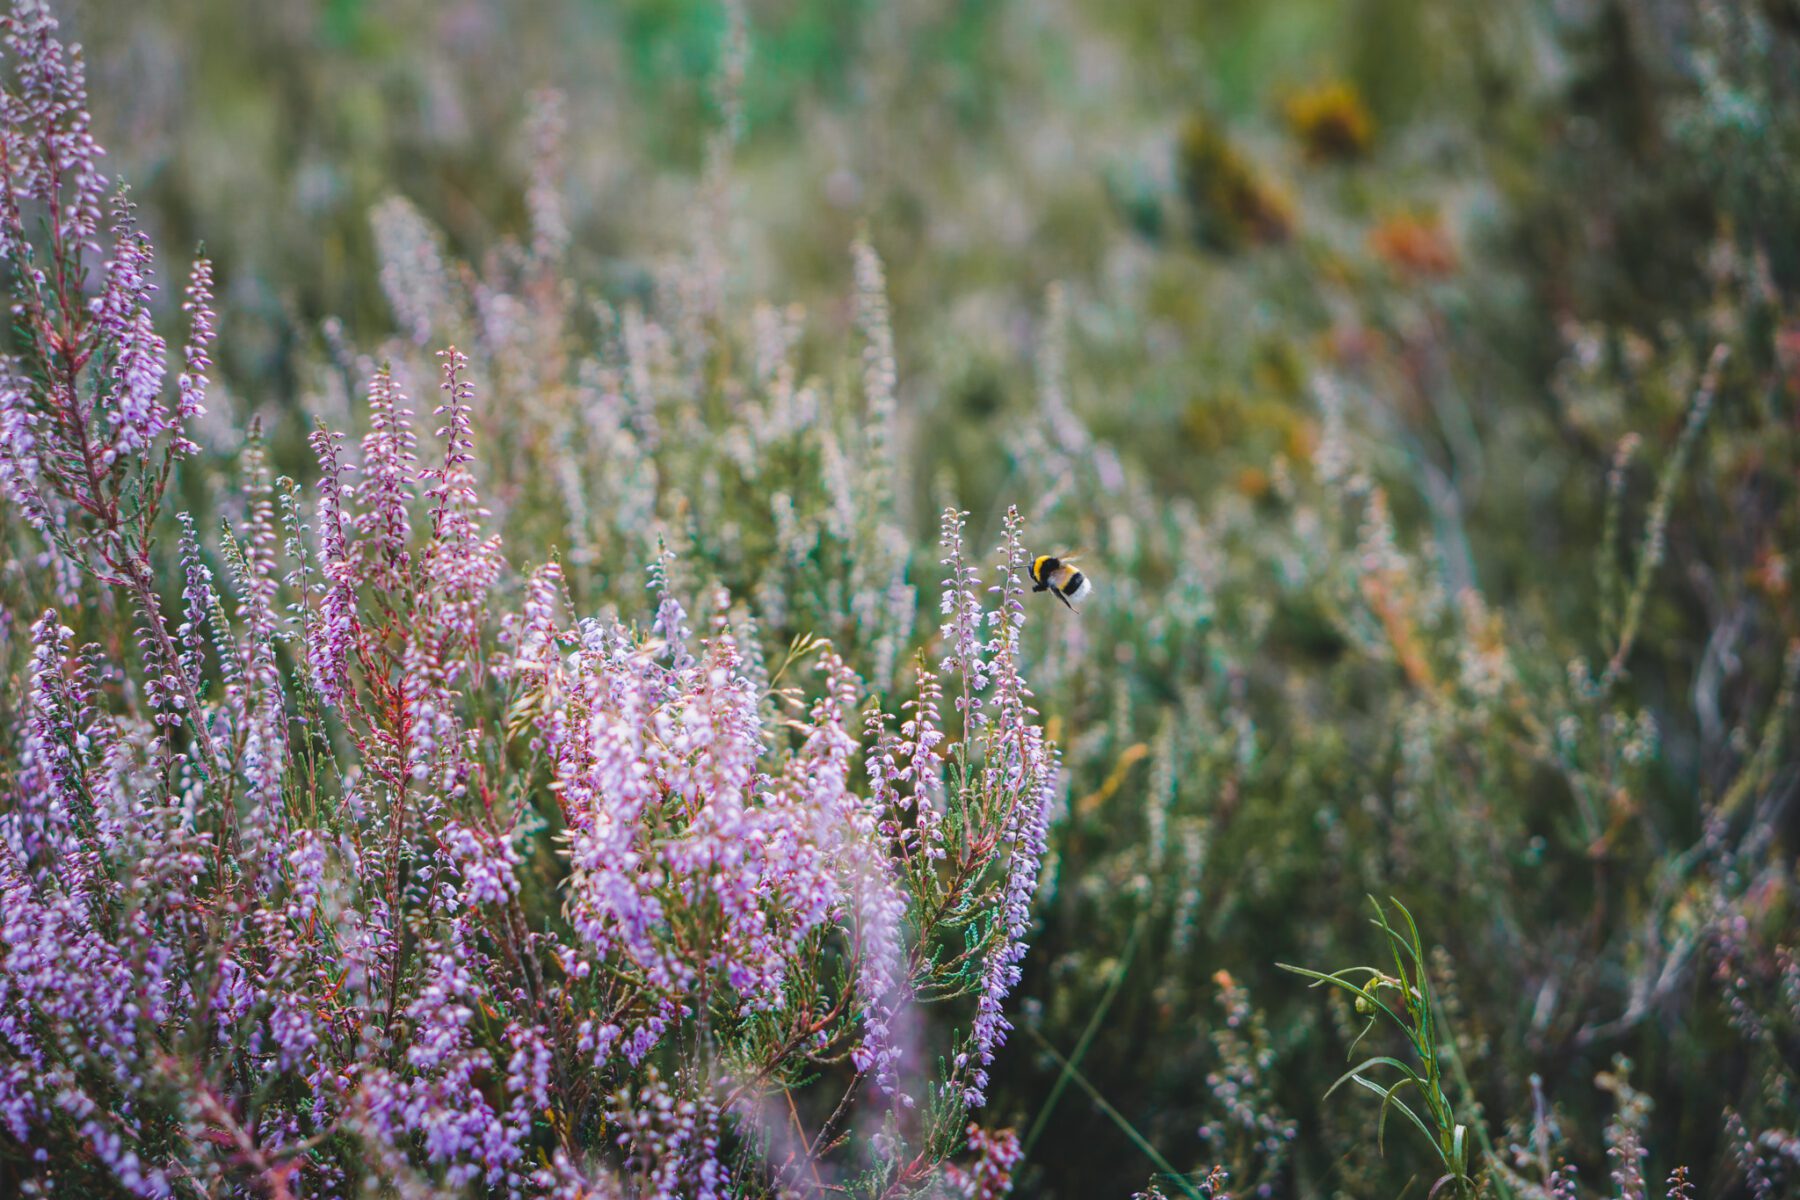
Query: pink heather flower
[
  {"x": 440, "y": 1102},
  {"x": 878, "y": 914},
  {"x": 63, "y": 981},
  {"x": 486, "y": 864},
  {"x": 124, "y": 1163},
  {"x": 920, "y": 736},
  {"x": 198, "y": 601},
  {"x": 137, "y": 413},
  {"x": 881, "y": 756},
  {"x": 671, "y": 619},
  {"x": 537, "y": 639},
  {"x": 990, "y": 1176},
  {"x": 306, "y": 859},
  {"x": 774, "y": 859},
  {"x": 604, "y": 783},
  {"x": 1021, "y": 765},
  {"x": 254, "y": 697},
  {"x": 962, "y": 631},
  {"x": 196, "y": 356},
  {"x": 414, "y": 276},
  {"x": 21, "y": 474},
  {"x": 527, "y": 1075},
  {"x": 257, "y": 580},
  {"x": 723, "y": 857},
  {"x": 671, "y": 1142},
  {"x": 458, "y": 569},
  {"x": 385, "y": 494},
  {"x": 1029, "y": 834},
  {"x": 1011, "y": 697},
  {"x": 880, "y": 761},
  {"x": 46, "y": 127},
  {"x": 430, "y": 704},
  {"x": 452, "y": 485},
  {"x": 921, "y": 733},
  {"x": 864, "y": 872},
  {"x": 294, "y": 1032},
  {"x": 708, "y": 734},
  {"x": 51, "y": 722},
  {"x": 543, "y": 600},
  {"x": 328, "y": 641}
]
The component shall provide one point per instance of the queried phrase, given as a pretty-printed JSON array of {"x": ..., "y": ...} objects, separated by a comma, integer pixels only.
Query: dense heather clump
[{"x": 336, "y": 851}]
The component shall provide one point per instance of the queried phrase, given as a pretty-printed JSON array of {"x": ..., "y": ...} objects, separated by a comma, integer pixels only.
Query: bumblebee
[{"x": 1059, "y": 577}]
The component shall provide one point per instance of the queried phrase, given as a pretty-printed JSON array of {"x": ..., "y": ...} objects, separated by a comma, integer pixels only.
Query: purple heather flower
[
  {"x": 486, "y": 864},
  {"x": 47, "y": 129},
  {"x": 21, "y": 472},
  {"x": 671, "y": 619},
  {"x": 328, "y": 641},
  {"x": 990, "y": 1176},
  {"x": 535, "y": 635},
  {"x": 196, "y": 356},
  {"x": 877, "y": 910},
  {"x": 1019, "y": 764},
  {"x": 439, "y": 1101},
  {"x": 671, "y": 1142},
  {"x": 962, "y": 630},
  {"x": 452, "y": 485},
  {"x": 122, "y": 319},
  {"x": 198, "y": 601},
  {"x": 385, "y": 493}
]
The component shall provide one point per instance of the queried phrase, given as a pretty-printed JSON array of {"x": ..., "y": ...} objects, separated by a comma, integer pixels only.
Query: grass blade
[{"x": 1118, "y": 1118}]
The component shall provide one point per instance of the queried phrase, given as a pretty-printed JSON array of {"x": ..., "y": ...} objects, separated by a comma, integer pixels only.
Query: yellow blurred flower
[{"x": 1331, "y": 121}]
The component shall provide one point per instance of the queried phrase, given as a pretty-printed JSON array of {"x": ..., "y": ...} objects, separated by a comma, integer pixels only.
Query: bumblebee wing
[{"x": 1065, "y": 569}]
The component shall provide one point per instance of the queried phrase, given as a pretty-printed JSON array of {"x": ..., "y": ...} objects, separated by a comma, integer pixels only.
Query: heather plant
[{"x": 340, "y": 853}]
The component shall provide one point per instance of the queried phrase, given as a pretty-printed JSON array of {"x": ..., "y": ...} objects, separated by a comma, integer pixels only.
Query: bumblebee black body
[{"x": 1060, "y": 579}]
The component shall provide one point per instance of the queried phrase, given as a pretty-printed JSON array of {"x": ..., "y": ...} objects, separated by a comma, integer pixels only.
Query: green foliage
[{"x": 1404, "y": 998}]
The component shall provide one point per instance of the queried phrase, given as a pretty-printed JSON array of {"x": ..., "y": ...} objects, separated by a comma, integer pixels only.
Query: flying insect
[{"x": 1060, "y": 578}]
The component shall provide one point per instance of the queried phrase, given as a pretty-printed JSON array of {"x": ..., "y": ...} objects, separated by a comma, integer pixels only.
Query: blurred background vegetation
[{"x": 1318, "y": 327}]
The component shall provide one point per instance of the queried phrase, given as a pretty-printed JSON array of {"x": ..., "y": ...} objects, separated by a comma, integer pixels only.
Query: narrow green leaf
[
  {"x": 1353, "y": 989},
  {"x": 1380, "y": 1060},
  {"x": 1118, "y": 1118},
  {"x": 1387, "y": 1098}
]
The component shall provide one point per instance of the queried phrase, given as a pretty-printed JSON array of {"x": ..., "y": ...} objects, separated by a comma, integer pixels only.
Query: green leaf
[
  {"x": 1388, "y": 1098},
  {"x": 1352, "y": 988},
  {"x": 1380, "y": 1060},
  {"x": 1117, "y": 1118}
]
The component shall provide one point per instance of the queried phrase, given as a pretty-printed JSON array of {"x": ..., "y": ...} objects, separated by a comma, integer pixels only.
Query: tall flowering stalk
[
  {"x": 1020, "y": 771},
  {"x": 87, "y": 440}
]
